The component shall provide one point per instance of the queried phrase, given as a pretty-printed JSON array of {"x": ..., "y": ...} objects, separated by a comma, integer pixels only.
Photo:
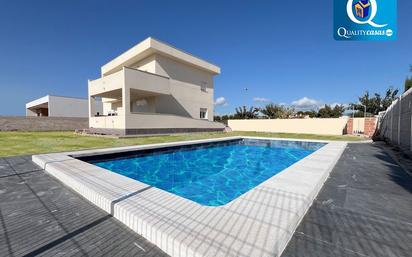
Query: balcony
[
  {"x": 119, "y": 91},
  {"x": 146, "y": 81},
  {"x": 130, "y": 78},
  {"x": 106, "y": 84}
]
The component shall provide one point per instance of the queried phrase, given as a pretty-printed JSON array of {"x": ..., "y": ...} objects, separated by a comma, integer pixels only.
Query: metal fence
[{"x": 394, "y": 125}]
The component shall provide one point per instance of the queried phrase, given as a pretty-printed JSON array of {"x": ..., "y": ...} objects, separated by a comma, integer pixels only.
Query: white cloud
[
  {"x": 333, "y": 104},
  {"x": 221, "y": 101},
  {"x": 261, "y": 100},
  {"x": 306, "y": 103}
]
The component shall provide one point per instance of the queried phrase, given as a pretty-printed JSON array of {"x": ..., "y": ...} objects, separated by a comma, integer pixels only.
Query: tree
[
  {"x": 222, "y": 119},
  {"x": 375, "y": 104},
  {"x": 338, "y": 111},
  {"x": 325, "y": 111},
  {"x": 227, "y": 117},
  {"x": 408, "y": 80},
  {"x": 274, "y": 111},
  {"x": 244, "y": 113},
  {"x": 408, "y": 83},
  {"x": 328, "y": 112},
  {"x": 390, "y": 96},
  {"x": 311, "y": 114}
]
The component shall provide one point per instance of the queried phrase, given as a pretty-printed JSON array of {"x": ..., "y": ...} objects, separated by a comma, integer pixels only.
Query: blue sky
[{"x": 280, "y": 52}]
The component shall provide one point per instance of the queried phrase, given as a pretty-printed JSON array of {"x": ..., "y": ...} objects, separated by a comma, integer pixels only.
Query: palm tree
[
  {"x": 244, "y": 113},
  {"x": 275, "y": 111}
]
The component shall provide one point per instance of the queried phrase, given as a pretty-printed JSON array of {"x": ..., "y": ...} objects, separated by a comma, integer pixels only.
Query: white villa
[
  {"x": 61, "y": 106},
  {"x": 154, "y": 88}
]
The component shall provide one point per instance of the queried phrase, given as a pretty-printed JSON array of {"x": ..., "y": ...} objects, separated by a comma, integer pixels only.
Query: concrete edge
[{"x": 317, "y": 189}]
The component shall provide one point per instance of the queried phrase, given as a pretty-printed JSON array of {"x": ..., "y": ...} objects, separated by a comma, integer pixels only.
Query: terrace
[{"x": 363, "y": 209}]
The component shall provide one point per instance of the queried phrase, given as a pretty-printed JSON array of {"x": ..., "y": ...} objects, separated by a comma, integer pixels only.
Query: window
[
  {"x": 203, "y": 86},
  {"x": 203, "y": 113}
]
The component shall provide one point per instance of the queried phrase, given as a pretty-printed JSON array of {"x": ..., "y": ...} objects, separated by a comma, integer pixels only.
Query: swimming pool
[
  {"x": 260, "y": 222},
  {"x": 210, "y": 174}
]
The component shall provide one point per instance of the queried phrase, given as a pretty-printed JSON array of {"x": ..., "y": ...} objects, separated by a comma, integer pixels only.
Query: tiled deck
[
  {"x": 364, "y": 209},
  {"x": 41, "y": 217}
]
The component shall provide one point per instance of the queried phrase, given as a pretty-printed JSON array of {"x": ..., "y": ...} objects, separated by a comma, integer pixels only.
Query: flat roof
[
  {"x": 151, "y": 46},
  {"x": 45, "y": 99},
  {"x": 38, "y": 101}
]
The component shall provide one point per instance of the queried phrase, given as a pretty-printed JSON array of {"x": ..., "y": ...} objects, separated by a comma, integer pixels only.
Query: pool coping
[{"x": 258, "y": 223}]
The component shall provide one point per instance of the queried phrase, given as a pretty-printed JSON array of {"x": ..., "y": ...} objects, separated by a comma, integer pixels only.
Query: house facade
[
  {"x": 61, "y": 106},
  {"x": 154, "y": 88}
]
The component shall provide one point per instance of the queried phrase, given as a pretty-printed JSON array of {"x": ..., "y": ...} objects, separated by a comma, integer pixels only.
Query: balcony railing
[
  {"x": 134, "y": 79},
  {"x": 146, "y": 81},
  {"x": 107, "y": 122}
]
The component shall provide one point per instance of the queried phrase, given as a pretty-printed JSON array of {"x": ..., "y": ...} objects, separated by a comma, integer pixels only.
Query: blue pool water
[{"x": 212, "y": 174}]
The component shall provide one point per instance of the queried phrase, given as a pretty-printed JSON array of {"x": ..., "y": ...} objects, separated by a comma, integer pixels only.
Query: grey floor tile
[
  {"x": 41, "y": 217},
  {"x": 364, "y": 209}
]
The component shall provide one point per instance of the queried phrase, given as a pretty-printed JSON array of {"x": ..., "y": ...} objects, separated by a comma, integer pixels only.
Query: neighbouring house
[
  {"x": 60, "y": 106},
  {"x": 154, "y": 88}
]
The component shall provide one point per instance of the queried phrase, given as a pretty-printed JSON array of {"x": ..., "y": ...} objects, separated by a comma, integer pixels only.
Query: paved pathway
[
  {"x": 364, "y": 209},
  {"x": 41, "y": 217}
]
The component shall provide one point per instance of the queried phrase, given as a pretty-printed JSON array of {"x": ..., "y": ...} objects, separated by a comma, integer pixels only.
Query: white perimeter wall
[
  {"x": 395, "y": 124},
  {"x": 330, "y": 126},
  {"x": 70, "y": 107}
]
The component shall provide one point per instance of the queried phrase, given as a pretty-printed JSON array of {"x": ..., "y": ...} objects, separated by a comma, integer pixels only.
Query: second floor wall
[
  {"x": 168, "y": 67},
  {"x": 191, "y": 88}
]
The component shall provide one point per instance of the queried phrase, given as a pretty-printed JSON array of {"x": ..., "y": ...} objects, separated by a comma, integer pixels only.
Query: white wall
[
  {"x": 184, "y": 96},
  {"x": 185, "y": 87},
  {"x": 111, "y": 106},
  {"x": 148, "y": 64},
  {"x": 332, "y": 126},
  {"x": 71, "y": 107},
  {"x": 395, "y": 124},
  {"x": 146, "y": 104},
  {"x": 107, "y": 122},
  {"x": 153, "y": 120}
]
